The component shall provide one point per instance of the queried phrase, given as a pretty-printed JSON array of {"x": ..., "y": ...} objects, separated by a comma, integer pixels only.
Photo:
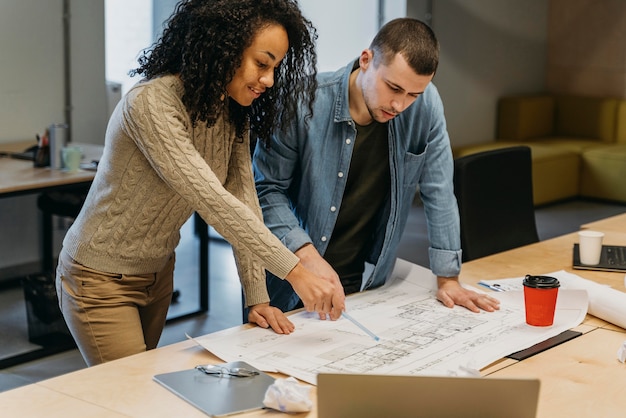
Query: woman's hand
[{"x": 266, "y": 316}]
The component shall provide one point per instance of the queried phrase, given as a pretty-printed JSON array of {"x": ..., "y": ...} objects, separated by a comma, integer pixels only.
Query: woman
[{"x": 178, "y": 142}]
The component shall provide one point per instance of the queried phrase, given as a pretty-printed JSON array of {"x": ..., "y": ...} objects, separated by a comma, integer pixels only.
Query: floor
[{"x": 225, "y": 293}]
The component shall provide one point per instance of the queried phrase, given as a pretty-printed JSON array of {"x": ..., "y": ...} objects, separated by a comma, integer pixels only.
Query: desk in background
[
  {"x": 20, "y": 177},
  {"x": 580, "y": 377}
]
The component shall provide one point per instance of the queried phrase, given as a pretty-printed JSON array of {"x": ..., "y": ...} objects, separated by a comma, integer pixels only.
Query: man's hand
[
  {"x": 450, "y": 293},
  {"x": 314, "y": 262},
  {"x": 266, "y": 316},
  {"x": 317, "y": 295}
]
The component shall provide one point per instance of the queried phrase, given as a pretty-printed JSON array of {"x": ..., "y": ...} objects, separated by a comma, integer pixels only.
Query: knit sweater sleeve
[
  {"x": 240, "y": 182},
  {"x": 156, "y": 120}
]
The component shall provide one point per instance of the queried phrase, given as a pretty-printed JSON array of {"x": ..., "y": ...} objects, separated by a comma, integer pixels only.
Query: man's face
[{"x": 388, "y": 89}]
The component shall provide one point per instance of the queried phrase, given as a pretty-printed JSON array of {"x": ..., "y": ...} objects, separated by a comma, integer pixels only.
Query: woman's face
[{"x": 258, "y": 63}]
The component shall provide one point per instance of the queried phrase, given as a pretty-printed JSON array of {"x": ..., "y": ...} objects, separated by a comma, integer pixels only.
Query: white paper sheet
[
  {"x": 604, "y": 302},
  {"x": 418, "y": 335}
]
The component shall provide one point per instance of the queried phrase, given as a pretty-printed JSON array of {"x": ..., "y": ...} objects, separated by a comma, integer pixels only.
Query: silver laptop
[{"x": 364, "y": 396}]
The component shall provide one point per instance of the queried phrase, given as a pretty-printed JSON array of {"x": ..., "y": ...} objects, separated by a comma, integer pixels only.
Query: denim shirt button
[
  {"x": 323, "y": 239},
  {"x": 333, "y": 208},
  {"x": 348, "y": 141},
  {"x": 340, "y": 174}
]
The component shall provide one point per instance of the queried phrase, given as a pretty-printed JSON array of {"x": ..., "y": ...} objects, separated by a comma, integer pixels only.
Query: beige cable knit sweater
[{"x": 156, "y": 170}]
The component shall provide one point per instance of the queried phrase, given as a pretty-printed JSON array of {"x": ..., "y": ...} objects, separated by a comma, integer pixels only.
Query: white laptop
[{"x": 365, "y": 396}]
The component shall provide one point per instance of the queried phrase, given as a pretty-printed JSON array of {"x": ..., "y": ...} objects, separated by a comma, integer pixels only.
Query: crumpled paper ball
[
  {"x": 287, "y": 395},
  {"x": 621, "y": 352}
]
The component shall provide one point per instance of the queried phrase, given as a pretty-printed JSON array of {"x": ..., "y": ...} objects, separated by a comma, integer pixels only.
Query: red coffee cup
[{"x": 540, "y": 293}]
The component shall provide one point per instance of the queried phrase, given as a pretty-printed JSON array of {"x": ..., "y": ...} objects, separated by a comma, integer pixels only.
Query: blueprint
[{"x": 417, "y": 334}]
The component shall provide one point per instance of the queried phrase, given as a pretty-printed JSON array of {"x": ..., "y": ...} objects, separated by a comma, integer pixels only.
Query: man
[{"x": 337, "y": 188}]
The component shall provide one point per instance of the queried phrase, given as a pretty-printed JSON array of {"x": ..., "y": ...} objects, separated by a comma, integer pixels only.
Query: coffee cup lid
[{"x": 541, "y": 282}]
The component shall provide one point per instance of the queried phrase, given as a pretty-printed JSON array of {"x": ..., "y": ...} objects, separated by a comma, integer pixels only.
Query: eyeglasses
[{"x": 220, "y": 371}]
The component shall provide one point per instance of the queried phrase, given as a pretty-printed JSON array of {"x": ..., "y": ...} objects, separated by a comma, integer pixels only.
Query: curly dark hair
[{"x": 203, "y": 42}]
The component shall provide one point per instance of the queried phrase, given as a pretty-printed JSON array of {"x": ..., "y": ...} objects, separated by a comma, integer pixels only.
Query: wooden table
[
  {"x": 21, "y": 177},
  {"x": 581, "y": 377},
  {"x": 545, "y": 257}
]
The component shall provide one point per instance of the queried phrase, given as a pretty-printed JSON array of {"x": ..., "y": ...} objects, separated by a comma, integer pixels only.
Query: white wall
[
  {"x": 128, "y": 26},
  {"x": 31, "y": 73},
  {"x": 346, "y": 27},
  {"x": 32, "y": 86},
  {"x": 89, "y": 96},
  {"x": 489, "y": 48},
  {"x": 32, "y": 96}
]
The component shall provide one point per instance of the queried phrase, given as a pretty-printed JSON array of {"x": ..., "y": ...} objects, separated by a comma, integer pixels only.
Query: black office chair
[
  {"x": 65, "y": 203},
  {"x": 495, "y": 197}
]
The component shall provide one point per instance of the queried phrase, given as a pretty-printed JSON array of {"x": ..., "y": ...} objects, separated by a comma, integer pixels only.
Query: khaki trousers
[{"x": 113, "y": 315}]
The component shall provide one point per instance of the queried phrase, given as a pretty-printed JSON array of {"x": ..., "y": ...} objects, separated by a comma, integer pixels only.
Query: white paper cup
[{"x": 590, "y": 246}]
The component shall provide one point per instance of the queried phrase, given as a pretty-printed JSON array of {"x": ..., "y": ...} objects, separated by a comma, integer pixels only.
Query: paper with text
[
  {"x": 604, "y": 302},
  {"x": 418, "y": 335}
]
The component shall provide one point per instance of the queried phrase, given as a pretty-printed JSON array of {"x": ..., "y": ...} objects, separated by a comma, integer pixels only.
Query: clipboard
[{"x": 218, "y": 396}]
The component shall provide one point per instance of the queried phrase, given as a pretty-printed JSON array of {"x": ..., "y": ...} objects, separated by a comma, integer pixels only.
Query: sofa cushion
[
  {"x": 586, "y": 117},
  {"x": 556, "y": 170},
  {"x": 577, "y": 145},
  {"x": 556, "y": 173},
  {"x": 603, "y": 173},
  {"x": 620, "y": 123}
]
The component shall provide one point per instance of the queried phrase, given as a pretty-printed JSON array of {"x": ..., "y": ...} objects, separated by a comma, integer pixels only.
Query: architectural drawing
[{"x": 418, "y": 335}]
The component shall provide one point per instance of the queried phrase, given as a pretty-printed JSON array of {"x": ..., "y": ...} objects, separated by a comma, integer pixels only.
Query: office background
[{"x": 489, "y": 48}]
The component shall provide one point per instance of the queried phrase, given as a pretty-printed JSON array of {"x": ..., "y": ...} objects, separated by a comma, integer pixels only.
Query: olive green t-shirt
[{"x": 366, "y": 190}]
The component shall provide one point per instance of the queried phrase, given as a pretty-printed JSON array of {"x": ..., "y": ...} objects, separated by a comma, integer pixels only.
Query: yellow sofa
[{"x": 578, "y": 144}]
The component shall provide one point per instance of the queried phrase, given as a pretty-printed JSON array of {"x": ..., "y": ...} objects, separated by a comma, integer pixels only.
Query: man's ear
[{"x": 366, "y": 59}]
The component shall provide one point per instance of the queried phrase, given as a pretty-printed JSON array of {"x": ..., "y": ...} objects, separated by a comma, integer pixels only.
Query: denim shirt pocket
[{"x": 412, "y": 169}]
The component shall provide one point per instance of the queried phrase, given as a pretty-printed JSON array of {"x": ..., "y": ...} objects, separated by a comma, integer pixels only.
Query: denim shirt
[{"x": 301, "y": 179}]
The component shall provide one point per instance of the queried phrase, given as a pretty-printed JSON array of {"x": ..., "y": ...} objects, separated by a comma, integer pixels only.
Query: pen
[
  {"x": 492, "y": 287},
  {"x": 358, "y": 324}
]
